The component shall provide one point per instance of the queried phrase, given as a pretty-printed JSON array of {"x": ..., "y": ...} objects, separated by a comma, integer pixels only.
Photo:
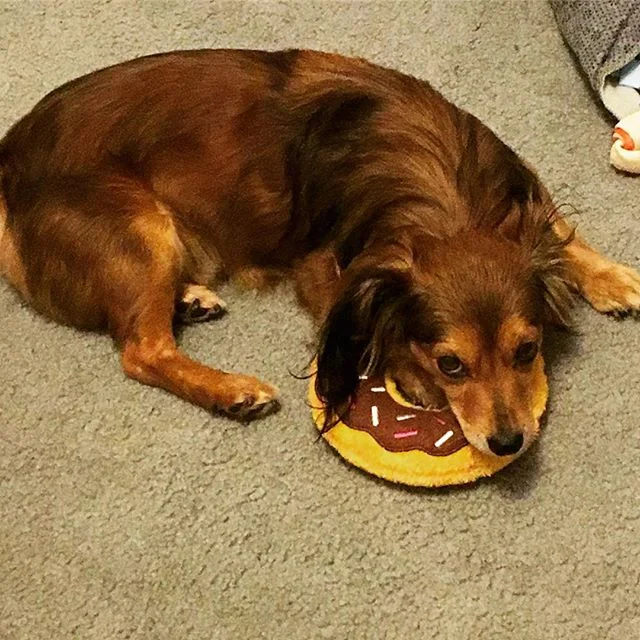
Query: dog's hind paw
[{"x": 245, "y": 398}]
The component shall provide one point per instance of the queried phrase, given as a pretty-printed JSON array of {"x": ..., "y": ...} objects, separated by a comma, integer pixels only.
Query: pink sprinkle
[
  {"x": 440, "y": 421},
  {"x": 405, "y": 434}
]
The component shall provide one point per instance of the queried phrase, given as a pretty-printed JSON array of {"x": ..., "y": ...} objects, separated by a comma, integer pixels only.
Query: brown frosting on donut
[{"x": 399, "y": 428}]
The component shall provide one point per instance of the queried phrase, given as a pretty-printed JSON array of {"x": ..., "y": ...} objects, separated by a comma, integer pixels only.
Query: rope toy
[{"x": 625, "y": 151}]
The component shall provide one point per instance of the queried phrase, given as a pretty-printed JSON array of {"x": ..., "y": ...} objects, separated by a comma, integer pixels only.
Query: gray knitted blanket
[{"x": 604, "y": 36}]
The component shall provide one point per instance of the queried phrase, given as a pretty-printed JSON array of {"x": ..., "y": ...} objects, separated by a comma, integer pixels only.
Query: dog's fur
[{"x": 412, "y": 232}]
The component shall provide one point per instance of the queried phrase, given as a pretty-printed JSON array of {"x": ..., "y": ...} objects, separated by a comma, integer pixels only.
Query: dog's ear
[
  {"x": 557, "y": 297},
  {"x": 376, "y": 309},
  {"x": 549, "y": 264}
]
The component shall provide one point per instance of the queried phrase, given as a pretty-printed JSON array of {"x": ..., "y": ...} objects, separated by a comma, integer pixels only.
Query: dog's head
[{"x": 464, "y": 313}]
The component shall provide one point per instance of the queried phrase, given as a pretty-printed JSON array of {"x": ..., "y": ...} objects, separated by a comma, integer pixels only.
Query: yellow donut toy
[{"x": 388, "y": 437}]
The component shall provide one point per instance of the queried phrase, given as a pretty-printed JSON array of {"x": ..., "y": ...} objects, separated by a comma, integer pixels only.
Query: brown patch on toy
[{"x": 398, "y": 428}]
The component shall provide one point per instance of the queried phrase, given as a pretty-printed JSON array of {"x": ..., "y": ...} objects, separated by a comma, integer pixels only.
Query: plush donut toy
[{"x": 388, "y": 437}]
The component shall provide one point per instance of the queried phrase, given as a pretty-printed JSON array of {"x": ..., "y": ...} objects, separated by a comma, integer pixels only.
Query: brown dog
[{"x": 418, "y": 240}]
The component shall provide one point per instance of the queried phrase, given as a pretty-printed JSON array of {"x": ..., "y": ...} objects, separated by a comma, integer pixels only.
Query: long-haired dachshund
[{"x": 421, "y": 244}]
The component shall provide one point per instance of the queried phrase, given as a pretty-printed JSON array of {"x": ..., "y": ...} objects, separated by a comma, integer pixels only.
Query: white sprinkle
[
  {"x": 406, "y": 416},
  {"x": 378, "y": 389},
  {"x": 364, "y": 377},
  {"x": 444, "y": 438},
  {"x": 375, "y": 419}
]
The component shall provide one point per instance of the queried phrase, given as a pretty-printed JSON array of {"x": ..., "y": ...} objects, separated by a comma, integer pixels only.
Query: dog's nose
[{"x": 505, "y": 442}]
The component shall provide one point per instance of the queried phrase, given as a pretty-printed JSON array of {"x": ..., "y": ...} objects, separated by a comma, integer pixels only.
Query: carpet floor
[{"x": 126, "y": 513}]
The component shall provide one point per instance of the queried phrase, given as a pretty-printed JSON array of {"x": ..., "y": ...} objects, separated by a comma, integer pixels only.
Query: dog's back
[{"x": 242, "y": 150}]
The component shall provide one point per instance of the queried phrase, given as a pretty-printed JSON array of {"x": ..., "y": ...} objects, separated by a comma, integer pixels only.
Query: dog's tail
[
  {"x": 6, "y": 173},
  {"x": 10, "y": 263},
  {"x": 4, "y": 161},
  {"x": 3, "y": 202}
]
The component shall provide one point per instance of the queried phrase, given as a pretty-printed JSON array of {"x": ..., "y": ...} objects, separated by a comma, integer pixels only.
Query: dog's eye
[
  {"x": 452, "y": 366},
  {"x": 526, "y": 353}
]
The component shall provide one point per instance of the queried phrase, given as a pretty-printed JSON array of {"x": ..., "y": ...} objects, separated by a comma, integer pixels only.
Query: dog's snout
[{"x": 506, "y": 442}]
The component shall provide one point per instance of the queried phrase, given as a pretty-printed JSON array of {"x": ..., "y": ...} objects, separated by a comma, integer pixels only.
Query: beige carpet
[{"x": 125, "y": 513}]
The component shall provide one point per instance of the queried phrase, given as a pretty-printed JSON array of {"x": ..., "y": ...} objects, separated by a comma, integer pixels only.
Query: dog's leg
[
  {"x": 150, "y": 355},
  {"x": 141, "y": 322},
  {"x": 317, "y": 279},
  {"x": 101, "y": 250},
  {"x": 608, "y": 286},
  {"x": 198, "y": 304}
]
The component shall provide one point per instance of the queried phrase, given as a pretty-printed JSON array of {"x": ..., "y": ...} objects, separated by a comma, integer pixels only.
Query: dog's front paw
[
  {"x": 615, "y": 289},
  {"x": 417, "y": 391}
]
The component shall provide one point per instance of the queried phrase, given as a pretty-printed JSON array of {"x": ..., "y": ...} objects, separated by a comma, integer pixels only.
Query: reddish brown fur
[{"x": 386, "y": 203}]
